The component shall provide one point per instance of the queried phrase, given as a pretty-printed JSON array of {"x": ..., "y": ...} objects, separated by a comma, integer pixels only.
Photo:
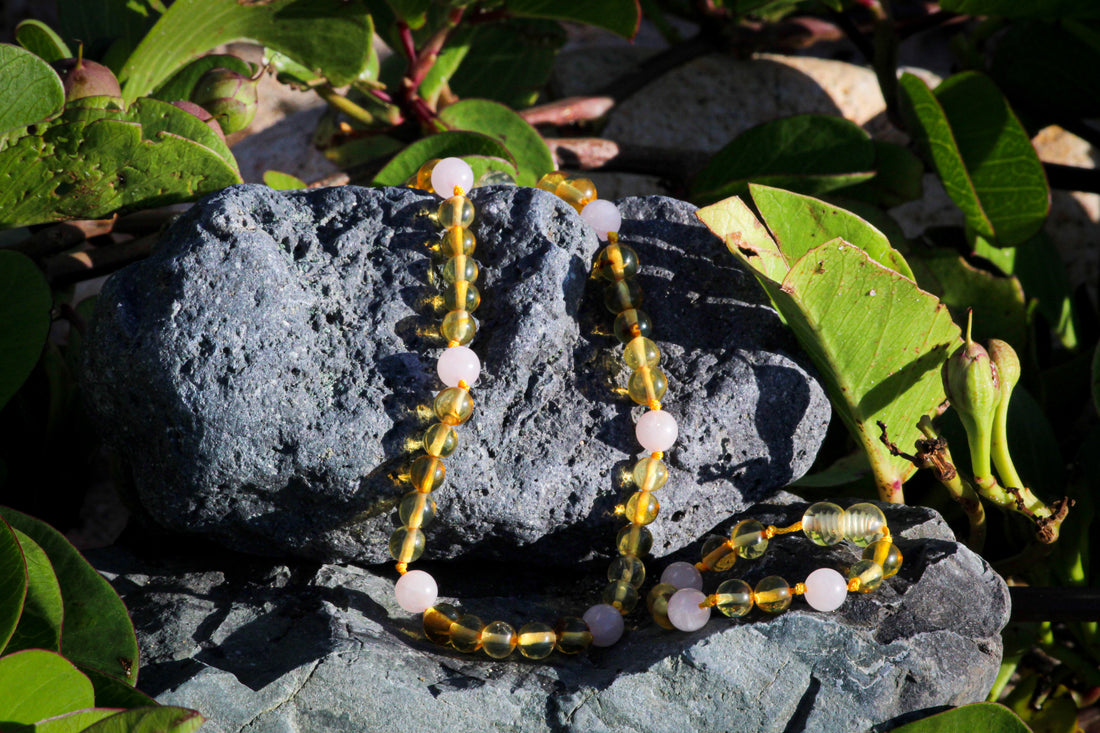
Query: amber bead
[
  {"x": 457, "y": 241},
  {"x": 864, "y": 523},
  {"x": 427, "y": 473},
  {"x": 437, "y": 622},
  {"x": 886, "y": 554},
  {"x": 869, "y": 573},
  {"x": 498, "y": 639},
  {"x": 622, "y": 295},
  {"x": 495, "y": 178},
  {"x": 646, "y": 385},
  {"x": 642, "y": 508},
  {"x": 573, "y": 635},
  {"x": 823, "y": 523},
  {"x": 416, "y": 509},
  {"x": 617, "y": 262},
  {"x": 577, "y": 192},
  {"x": 634, "y": 540},
  {"x": 453, "y": 406},
  {"x": 622, "y": 595},
  {"x": 772, "y": 594},
  {"x": 457, "y": 211},
  {"x": 650, "y": 473},
  {"x": 407, "y": 544},
  {"x": 734, "y": 597},
  {"x": 718, "y": 554},
  {"x": 461, "y": 295},
  {"x": 460, "y": 267},
  {"x": 536, "y": 640},
  {"x": 641, "y": 352},
  {"x": 627, "y": 568},
  {"x": 630, "y": 324},
  {"x": 459, "y": 326},
  {"x": 466, "y": 633},
  {"x": 748, "y": 537},
  {"x": 550, "y": 181},
  {"x": 440, "y": 440},
  {"x": 424, "y": 176},
  {"x": 657, "y": 602}
]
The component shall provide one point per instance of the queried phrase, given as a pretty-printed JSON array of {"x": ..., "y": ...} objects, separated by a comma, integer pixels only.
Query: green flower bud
[
  {"x": 1008, "y": 369},
  {"x": 972, "y": 385},
  {"x": 230, "y": 97},
  {"x": 83, "y": 78},
  {"x": 1004, "y": 358}
]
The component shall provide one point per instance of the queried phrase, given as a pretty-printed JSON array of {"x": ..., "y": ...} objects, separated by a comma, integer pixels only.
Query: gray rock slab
[
  {"x": 265, "y": 375},
  {"x": 308, "y": 647}
]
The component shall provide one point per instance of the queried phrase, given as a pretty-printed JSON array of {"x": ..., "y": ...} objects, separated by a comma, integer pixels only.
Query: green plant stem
[
  {"x": 1008, "y": 667},
  {"x": 338, "y": 101},
  {"x": 960, "y": 490}
]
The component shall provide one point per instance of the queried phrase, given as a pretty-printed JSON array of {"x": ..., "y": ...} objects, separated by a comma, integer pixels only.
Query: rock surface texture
[
  {"x": 325, "y": 647},
  {"x": 265, "y": 374}
]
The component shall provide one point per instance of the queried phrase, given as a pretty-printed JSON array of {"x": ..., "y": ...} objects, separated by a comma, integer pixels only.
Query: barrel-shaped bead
[
  {"x": 457, "y": 211},
  {"x": 437, "y": 622},
  {"x": 647, "y": 384},
  {"x": 440, "y": 440},
  {"x": 416, "y": 509},
  {"x": 617, "y": 262},
  {"x": 427, "y": 473},
  {"x": 573, "y": 635},
  {"x": 772, "y": 594},
  {"x": 536, "y": 640},
  {"x": 453, "y": 406},
  {"x": 622, "y": 295},
  {"x": 642, "y": 507},
  {"x": 649, "y": 473},
  {"x": 407, "y": 544},
  {"x": 823, "y": 523},
  {"x": 621, "y": 594},
  {"x": 886, "y": 554},
  {"x": 466, "y": 633},
  {"x": 634, "y": 539},
  {"x": 864, "y": 523},
  {"x": 734, "y": 597},
  {"x": 498, "y": 639},
  {"x": 748, "y": 539},
  {"x": 627, "y": 568},
  {"x": 458, "y": 326},
  {"x": 869, "y": 573}
]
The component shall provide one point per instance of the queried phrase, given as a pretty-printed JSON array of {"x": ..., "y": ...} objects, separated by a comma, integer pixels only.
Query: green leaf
[
  {"x": 24, "y": 318},
  {"x": 283, "y": 181},
  {"x": 454, "y": 143},
  {"x": 508, "y": 62},
  {"x": 810, "y": 154},
  {"x": 13, "y": 584},
  {"x": 41, "y": 40},
  {"x": 898, "y": 175},
  {"x": 40, "y": 624},
  {"x": 1049, "y": 9},
  {"x": 448, "y": 61},
  {"x": 183, "y": 81},
  {"x": 30, "y": 91},
  {"x": 70, "y": 722},
  {"x": 413, "y": 12},
  {"x": 1048, "y": 69},
  {"x": 97, "y": 632},
  {"x": 38, "y": 684},
  {"x": 159, "y": 119},
  {"x": 333, "y": 36},
  {"x": 528, "y": 149},
  {"x": 981, "y": 153},
  {"x": 618, "y": 16},
  {"x": 109, "y": 29},
  {"x": 988, "y": 717},
  {"x": 111, "y": 692},
  {"x": 160, "y": 719}
]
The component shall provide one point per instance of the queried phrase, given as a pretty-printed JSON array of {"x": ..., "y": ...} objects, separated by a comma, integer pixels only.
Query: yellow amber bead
[
  {"x": 416, "y": 510},
  {"x": 536, "y": 640},
  {"x": 453, "y": 406},
  {"x": 772, "y": 594},
  {"x": 407, "y": 544},
  {"x": 621, "y": 595},
  {"x": 498, "y": 639},
  {"x": 550, "y": 181},
  {"x": 424, "y": 176},
  {"x": 622, "y": 295},
  {"x": 437, "y": 622},
  {"x": 863, "y": 523},
  {"x": 634, "y": 539},
  {"x": 577, "y": 192},
  {"x": 646, "y": 385},
  {"x": 466, "y": 633},
  {"x": 823, "y": 523},
  {"x": 457, "y": 241},
  {"x": 573, "y": 635},
  {"x": 440, "y": 440},
  {"x": 718, "y": 554},
  {"x": 427, "y": 473},
  {"x": 459, "y": 326},
  {"x": 642, "y": 508},
  {"x": 460, "y": 267},
  {"x": 886, "y": 554},
  {"x": 461, "y": 295},
  {"x": 641, "y": 352},
  {"x": 869, "y": 573},
  {"x": 650, "y": 473},
  {"x": 617, "y": 262},
  {"x": 657, "y": 603},
  {"x": 631, "y": 324},
  {"x": 748, "y": 537},
  {"x": 734, "y": 597},
  {"x": 457, "y": 211},
  {"x": 627, "y": 568}
]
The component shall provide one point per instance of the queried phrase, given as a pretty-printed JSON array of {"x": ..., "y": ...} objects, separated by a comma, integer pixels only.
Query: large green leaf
[
  {"x": 877, "y": 340},
  {"x": 1049, "y": 9},
  {"x": 70, "y": 722},
  {"x": 37, "y": 684},
  {"x": 987, "y": 717},
  {"x": 109, "y": 29},
  {"x": 30, "y": 91},
  {"x": 528, "y": 149},
  {"x": 40, "y": 624},
  {"x": 811, "y": 154},
  {"x": 454, "y": 143},
  {"x": 97, "y": 631},
  {"x": 112, "y": 692},
  {"x": 1049, "y": 69},
  {"x": 333, "y": 36},
  {"x": 508, "y": 62},
  {"x": 618, "y": 16},
  {"x": 24, "y": 318},
  {"x": 13, "y": 583},
  {"x": 981, "y": 153},
  {"x": 161, "y": 719},
  {"x": 180, "y": 85},
  {"x": 41, "y": 40}
]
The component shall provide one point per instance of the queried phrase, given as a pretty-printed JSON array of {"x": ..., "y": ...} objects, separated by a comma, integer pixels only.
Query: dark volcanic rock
[{"x": 264, "y": 373}]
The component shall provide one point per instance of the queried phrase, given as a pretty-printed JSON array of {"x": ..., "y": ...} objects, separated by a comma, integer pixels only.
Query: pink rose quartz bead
[
  {"x": 656, "y": 430},
  {"x": 826, "y": 589},
  {"x": 606, "y": 624},
  {"x": 684, "y": 612},
  {"x": 682, "y": 575},
  {"x": 416, "y": 591},
  {"x": 457, "y": 364},
  {"x": 603, "y": 216},
  {"x": 451, "y": 172}
]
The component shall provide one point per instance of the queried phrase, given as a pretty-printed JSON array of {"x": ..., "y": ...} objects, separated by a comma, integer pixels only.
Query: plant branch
[
  {"x": 338, "y": 101},
  {"x": 568, "y": 111}
]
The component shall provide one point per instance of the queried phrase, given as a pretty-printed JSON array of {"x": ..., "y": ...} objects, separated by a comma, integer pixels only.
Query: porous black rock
[{"x": 263, "y": 374}]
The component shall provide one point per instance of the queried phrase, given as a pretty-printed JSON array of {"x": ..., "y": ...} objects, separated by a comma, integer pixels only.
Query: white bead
[
  {"x": 606, "y": 624},
  {"x": 603, "y": 216},
  {"x": 826, "y": 589},
  {"x": 458, "y": 364},
  {"x": 684, "y": 611},
  {"x": 683, "y": 575},
  {"x": 656, "y": 430},
  {"x": 416, "y": 591},
  {"x": 451, "y": 172}
]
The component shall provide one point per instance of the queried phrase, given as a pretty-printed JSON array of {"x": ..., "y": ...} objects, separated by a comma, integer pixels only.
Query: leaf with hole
[
  {"x": 42, "y": 41},
  {"x": 455, "y": 143},
  {"x": 25, "y": 304},
  {"x": 31, "y": 91},
  {"x": 532, "y": 155},
  {"x": 38, "y": 684}
]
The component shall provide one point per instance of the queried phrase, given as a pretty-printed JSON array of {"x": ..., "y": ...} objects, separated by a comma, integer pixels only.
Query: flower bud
[
  {"x": 971, "y": 382},
  {"x": 227, "y": 95},
  {"x": 83, "y": 78},
  {"x": 1007, "y": 362}
]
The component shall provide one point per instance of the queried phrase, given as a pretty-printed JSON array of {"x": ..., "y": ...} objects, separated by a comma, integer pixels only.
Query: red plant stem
[{"x": 407, "y": 44}]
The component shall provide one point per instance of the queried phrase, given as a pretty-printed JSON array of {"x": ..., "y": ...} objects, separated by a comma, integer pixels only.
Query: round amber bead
[
  {"x": 466, "y": 633},
  {"x": 622, "y": 595},
  {"x": 869, "y": 573},
  {"x": 536, "y": 640},
  {"x": 416, "y": 510},
  {"x": 622, "y": 295},
  {"x": 459, "y": 326},
  {"x": 627, "y": 568},
  {"x": 437, "y": 622},
  {"x": 550, "y": 181},
  {"x": 650, "y": 473},
  {"x": 572, "y": 634},
  {"x": 461, "y": 295},
  {"x": 634, "y": 539},
  {"x": 823, "y": 523},
  {"x": 617, "y": 262},
  {"x": 457, "y": 211},
  {"x": 734, "y": 597},
  {"x": 498, "y": 639},
  {"x": 772, "y": 594},
  {"x": 646, "y": 385},
  {"x": 657, "y": 602},
  {"x": 460, "y": 267},
  {"x": 642, "y": 507},
  {"x": 577, "y": 192},
  {"x": 886, "y": 554},
  {"x": 631, "y": 324},
  {"x": 863, "y": 523},
  {"x": 427, "y": 473},
  {"x": 440, "y": 440},
  {"x": 424, "y": 176},
  {"x": 748, "y": 537},
  {"x": 641, "y": 352},
  {"x": 718, "y": 554},
  {"x": 457, "y": 241},
  {"x": 453, "y": 406},
  {"x": 407, "y": 544}
]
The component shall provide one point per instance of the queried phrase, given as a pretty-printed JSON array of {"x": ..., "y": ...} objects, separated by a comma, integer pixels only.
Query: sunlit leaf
[
  {"x": 988, "y": 717},
  {"x": 528, "y": 149},
  {"x": 41, "y": 40},
  {"x": 38, "y": 684},
  {"x": 31, "y": 91},
  {"x": 454, "y": 143},
  {"x": 160, "y": 719}
]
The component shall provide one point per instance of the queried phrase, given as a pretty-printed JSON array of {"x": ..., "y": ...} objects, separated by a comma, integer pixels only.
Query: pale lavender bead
[
  {"x": 826, "y": 589},
  {"x": 451, "y": 172},
  {"x": 683, "y": 575},
  {"x": 684, "y": 612},
  {"x": 416, "y": 591},
  {"x": 458, "y": 363},
  {"x": 656, "y": 430},
  {"x": 606, "y": 624},
  {"x": 603, "y": 216}
]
